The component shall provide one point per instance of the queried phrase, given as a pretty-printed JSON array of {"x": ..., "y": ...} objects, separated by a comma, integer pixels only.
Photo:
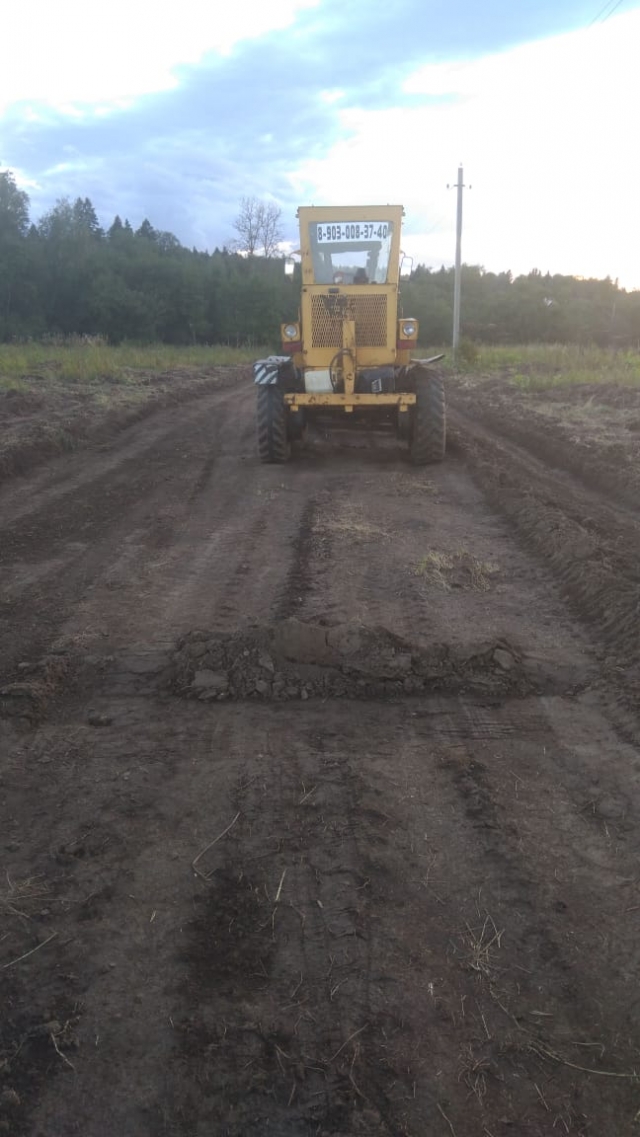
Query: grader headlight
[
  {"x": 407, "y": 334},
  {"x": 290, "y": 334}
]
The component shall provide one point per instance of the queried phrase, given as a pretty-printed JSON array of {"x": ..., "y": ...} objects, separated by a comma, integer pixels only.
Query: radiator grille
[{"x": 370, "y": 315}]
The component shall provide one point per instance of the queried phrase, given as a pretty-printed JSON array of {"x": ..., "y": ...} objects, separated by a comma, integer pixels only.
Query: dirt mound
[
  {"x": 588, "y": 430},
  {"x": 295, "y": 660}
]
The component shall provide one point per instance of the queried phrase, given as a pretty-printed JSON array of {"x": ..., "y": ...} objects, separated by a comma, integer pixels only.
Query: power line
[
  {"x": 602, "y": 11},
  {"x": 612, "y": 10}
]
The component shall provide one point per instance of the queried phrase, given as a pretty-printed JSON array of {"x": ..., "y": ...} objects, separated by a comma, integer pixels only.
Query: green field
[
  {"x": 77, "y": 361},
  {"x": 540, "y": 366}
]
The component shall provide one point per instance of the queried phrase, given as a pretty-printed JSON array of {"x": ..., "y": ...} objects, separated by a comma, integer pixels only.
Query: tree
[
  {"x": 85, "y": 217},
  {"x": 15, "y": 284},
  {"x": 271, "y": 229},
  {"x": 258, "y": 225},
  {"x": 14, "y": 207},
  {"x": 146, "y": 231}
]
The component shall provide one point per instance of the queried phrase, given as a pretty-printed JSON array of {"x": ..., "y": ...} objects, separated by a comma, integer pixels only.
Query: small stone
[
  {"x": 9, "y": 1098},
  {"x": 292, "y": 692},
  {"x": 198, "y": 650},
  {"x": 210, "y": 680},
  {"x": 503, "y": 658},
  {"x": 262, "y": 687},
  {"x": 304, "y": 694},
  {"x": 99, "y": 718},
  {"x": 265, "y": 661},
  {"x": 12, "y": 846}
]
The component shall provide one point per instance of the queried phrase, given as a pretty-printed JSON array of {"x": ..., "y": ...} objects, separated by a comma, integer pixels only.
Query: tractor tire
[
  {"x": 429, "y": 436},
  {"x": 273, "y": 443},
  {"x": 296, "y": 425}
]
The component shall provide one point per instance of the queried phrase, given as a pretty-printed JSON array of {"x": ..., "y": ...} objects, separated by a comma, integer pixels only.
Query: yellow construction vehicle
[{"x": 349, "y": 352}]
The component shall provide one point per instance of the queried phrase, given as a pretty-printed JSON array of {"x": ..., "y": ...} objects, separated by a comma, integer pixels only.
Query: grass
[
  {"x": 433, "y": 567},
  {"x": 542, "y": 366},
  {"x": 528, "y": 366},
  {"x": 79, "y": 362},
  {"x": 459, "y": 569},
  {"x": 352, "y": 524}
]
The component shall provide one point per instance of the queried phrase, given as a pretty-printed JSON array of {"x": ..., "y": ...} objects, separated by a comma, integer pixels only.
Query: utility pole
[{"x": 457, "y": 278}]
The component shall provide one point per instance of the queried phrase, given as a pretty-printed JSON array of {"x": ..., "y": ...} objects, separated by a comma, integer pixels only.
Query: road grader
[{"x": 350, "y": 351}]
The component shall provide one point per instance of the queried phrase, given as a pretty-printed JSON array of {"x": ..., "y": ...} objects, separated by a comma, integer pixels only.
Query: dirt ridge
[{"x": 40, "y": 446}]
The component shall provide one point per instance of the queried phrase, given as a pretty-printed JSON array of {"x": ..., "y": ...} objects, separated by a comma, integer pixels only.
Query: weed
[
  {"x": 76, "y": 361},
  {"x": 459, "y": 569},
  {"x": 537, "y": 367},
  {"x": 433, "y": 567},
  {"x": 468, "y": 352}
]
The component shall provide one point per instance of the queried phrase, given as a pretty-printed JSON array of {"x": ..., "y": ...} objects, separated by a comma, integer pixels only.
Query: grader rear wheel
[{"x": 429, "y": 436}]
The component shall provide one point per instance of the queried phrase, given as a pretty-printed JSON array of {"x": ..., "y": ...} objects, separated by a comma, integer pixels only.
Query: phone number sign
[{"x": 331, "y": 232}]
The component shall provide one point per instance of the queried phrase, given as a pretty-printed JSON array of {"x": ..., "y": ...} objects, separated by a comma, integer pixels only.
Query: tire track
[{"x": 591, "y": 545}]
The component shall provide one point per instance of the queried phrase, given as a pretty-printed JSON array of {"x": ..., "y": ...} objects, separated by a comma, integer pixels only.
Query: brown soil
[
  {"x": 588, "y": 429},
  {"x": 320, "y": 814},
  {"x": 50, "y": 418}
]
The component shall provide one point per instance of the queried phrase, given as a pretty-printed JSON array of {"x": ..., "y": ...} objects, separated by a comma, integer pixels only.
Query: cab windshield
[{"x": 350, "y": 252}]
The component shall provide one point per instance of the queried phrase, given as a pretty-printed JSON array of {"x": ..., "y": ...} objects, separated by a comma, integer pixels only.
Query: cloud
[
  {"x": 544, "y": 132},
  {"x": 183, "y": 158},
  {"x": 71, "y": 55},
  {"x": 313, "y": 100}
]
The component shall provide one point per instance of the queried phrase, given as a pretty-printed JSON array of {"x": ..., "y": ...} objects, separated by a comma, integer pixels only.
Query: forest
[{"x": 67, "y": 275}]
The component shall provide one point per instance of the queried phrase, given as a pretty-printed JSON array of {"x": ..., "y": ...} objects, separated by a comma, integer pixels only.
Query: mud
[
  {"x": 295, "y": 660},
  {"x": 404, "y": 906}
]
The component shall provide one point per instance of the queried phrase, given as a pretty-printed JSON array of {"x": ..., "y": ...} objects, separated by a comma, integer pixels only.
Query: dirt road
[{"x": 320, "y": 790}]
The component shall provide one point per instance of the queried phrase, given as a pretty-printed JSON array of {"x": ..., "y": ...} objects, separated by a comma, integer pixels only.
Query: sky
[{"x": 175, "y": 113}]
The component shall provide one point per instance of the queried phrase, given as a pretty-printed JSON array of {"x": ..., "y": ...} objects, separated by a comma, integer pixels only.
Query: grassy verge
[
  {"x": 82, "y": 363},
  {"x": 542, "y": 366}
]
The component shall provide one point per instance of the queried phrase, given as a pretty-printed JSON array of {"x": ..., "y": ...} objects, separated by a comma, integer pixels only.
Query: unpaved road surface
[{"x": 320, "y": 790}]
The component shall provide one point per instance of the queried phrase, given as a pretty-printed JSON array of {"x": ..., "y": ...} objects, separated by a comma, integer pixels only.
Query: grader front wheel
[
  {"x": 429, "y": 435},
  {"x": 273, "y": 443}
]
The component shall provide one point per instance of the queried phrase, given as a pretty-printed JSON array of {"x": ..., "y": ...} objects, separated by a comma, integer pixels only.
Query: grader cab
[{"x": 350, "y": 353}]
